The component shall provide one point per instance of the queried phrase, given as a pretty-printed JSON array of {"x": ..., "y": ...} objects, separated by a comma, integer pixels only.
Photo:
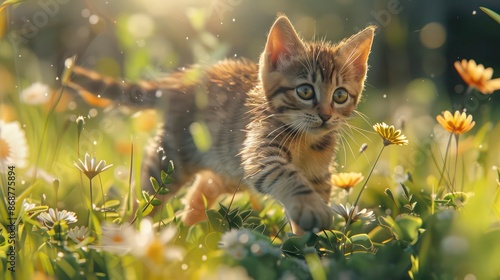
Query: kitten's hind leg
[{"x": 209, "y": 185}]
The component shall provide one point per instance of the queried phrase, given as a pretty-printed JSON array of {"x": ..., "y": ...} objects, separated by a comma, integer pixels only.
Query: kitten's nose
[{"x": 325, "y": 117}]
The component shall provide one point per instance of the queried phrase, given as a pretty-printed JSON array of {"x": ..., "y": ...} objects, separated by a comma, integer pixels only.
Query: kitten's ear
[
  {"x": 282, "y": 43},
  {"x": 356, "y": 49}
]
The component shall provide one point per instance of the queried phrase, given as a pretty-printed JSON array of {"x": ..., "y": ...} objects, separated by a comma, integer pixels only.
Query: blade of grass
[{"x": 491, "y": 13}]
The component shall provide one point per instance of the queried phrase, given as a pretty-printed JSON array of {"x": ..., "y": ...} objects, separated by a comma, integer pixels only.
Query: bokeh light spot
[
  {"x": 433, "y": 35},
  {"x": 140, "y": 26}
]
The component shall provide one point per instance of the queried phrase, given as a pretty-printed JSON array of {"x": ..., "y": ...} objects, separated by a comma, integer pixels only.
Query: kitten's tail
[{"x": 98, "y": 90}]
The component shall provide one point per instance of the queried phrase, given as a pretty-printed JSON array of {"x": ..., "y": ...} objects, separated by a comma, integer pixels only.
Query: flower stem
[
  {"x": 91, "y": 208},
  {"x": 359, "y": 196},
  {"x": 81, "y": 173},
  {"x": 45, "y": 128},
  {"x": 441, "y": 175},
  {"x": 453, "y": 186},
  {"x": 366, "y": 181},
  {"x": 103, "y": 198}
]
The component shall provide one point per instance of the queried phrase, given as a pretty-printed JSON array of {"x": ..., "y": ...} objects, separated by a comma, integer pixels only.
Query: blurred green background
[{"x": 139, "y": 38}]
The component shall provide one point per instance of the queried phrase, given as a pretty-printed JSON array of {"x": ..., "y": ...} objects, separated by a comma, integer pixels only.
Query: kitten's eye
[
  {"x": 340, "y": 96},
  {"x": 305, "y": 91}
]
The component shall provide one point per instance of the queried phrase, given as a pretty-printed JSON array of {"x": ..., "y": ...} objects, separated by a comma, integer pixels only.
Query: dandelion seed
[
  {"x": 346, "y": 180},
  {"x": 13, "y": 145},
  {"x": 91, "y": 167},
  {"x": 475, "y": 75},
  {"x": 458, "y": 123},
  {"x": 390, "y": 135},
  {"x": 53, "y": 216}
]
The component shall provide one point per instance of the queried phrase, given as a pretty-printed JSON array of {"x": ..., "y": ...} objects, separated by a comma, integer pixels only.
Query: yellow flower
[
  {"x": 346, "y": 180},
  {"x": 475, "y": 75},
  {"x": 458, "y": 123},
  {"x": 390, "y": 134}
]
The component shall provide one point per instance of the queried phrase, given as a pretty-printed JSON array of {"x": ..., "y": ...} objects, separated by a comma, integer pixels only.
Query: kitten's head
[{"x": 313, "y": 86}]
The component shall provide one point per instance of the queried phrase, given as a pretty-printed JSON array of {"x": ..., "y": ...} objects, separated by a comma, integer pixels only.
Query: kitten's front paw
[{"x": 310, "y": 212}]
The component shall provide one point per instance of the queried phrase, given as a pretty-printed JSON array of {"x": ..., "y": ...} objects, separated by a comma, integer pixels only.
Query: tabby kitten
[{"x": 274, "y": 126}]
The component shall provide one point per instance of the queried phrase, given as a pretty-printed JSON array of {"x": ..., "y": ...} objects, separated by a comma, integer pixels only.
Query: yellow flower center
[
  {"x": 4, "y": 149},
  {"x": 154, "y": 252}
]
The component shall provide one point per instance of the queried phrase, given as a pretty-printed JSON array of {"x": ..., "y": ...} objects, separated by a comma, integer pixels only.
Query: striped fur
[{"x": 264, "y": 134}]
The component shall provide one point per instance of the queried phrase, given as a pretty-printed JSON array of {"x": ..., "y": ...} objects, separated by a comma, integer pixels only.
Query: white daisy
[
  {"x": 50, "y": 218},
  {"x": 78, "y": 234},
  {"x": 348, "y": 210},
  {"x": 116, "y": 239},
  {"x": 91, "y": 167},
  {"x": 153, "y": 247},
  {"x": 233, "y": 242},
  {"x": 28, "y": 206},
  {"x": 36, "y": 94},
  {"x": 229, "y": 239},
  {"x": 13, "y": 145}
]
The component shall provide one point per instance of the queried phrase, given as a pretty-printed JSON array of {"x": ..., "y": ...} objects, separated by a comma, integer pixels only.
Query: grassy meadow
[{"x": 417, "y": 194}]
